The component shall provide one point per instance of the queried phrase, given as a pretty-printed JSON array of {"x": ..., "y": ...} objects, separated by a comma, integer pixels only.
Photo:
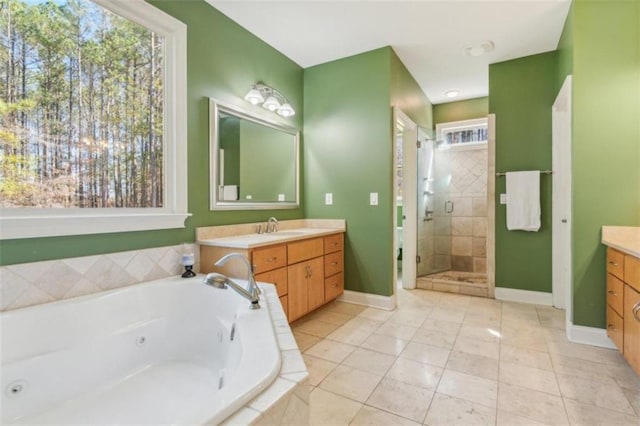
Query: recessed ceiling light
[
  {"x": 480, "y": 48},
  {"x": 452, "y": 94}
]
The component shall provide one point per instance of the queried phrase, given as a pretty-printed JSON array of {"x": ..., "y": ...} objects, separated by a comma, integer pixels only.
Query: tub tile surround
[
  {"x": 457, "y": 359},
  {"x": 34, "y": 283}
]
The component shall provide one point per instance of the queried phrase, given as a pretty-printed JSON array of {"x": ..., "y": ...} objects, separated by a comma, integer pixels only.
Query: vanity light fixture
[{"x": 270, "y": 99}]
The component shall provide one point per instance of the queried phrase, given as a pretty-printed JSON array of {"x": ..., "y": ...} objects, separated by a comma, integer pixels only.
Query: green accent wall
[
  {"x": 349, "y": 150},
  {"x": 223, "y": 60},
  {"x": 606, "y": 141},
  {"x": 565, "y": 50},
  {"x": 521, "y": 93},
  {"x": 461, "y": 110}
]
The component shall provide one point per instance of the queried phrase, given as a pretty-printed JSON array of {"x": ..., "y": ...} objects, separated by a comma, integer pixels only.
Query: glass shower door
[{"x": 434, "y": 207}]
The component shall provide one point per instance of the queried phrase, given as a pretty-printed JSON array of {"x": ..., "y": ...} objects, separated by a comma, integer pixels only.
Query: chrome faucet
[
  {"x": 272, "y": 225},
  {"x": 251, "y": 293}
]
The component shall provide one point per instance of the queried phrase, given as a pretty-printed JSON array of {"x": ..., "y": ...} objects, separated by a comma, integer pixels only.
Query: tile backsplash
[{"x": 28, "y": 284}]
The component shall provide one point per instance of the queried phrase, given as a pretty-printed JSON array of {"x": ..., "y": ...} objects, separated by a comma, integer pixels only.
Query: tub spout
[
  {"x": 252, "y": 287},
  {"x": 223, "y": 282}
]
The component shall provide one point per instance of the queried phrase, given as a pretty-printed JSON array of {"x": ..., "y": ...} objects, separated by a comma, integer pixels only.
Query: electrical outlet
[
  {"x": 328, "y": 199},
  {"x": 373, "y": 199},
  {"x": 503, "y": 198},
  {"x": 280, "y": 197}
]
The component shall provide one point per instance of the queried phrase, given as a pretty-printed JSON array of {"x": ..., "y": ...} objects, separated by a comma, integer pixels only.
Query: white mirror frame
[{"x": 215, "y": 107}]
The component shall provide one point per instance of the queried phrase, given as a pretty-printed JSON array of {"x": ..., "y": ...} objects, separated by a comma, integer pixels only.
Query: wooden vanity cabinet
[
  {"x": 623, "y": 304},
  {"x": 307, "y": 273}
]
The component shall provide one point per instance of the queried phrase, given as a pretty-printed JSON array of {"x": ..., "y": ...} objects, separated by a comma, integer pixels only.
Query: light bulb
[
  {"x": 254, "y": 97},
  {"x": 286, "y": 110},
  {"x": 271, "y": 103}
]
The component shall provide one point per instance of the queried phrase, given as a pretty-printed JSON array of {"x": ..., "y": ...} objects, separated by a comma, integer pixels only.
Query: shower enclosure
[{"x": 452, "y": 209}]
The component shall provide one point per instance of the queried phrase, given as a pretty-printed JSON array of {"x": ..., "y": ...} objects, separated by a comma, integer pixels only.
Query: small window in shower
[{"x": 467, "y": 132}]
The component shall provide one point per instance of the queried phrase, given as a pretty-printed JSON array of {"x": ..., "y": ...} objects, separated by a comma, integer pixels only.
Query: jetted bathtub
[{"x": 171, "y": 351}]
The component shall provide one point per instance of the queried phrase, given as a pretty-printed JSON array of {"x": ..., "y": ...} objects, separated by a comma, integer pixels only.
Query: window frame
[{"x": 18, "y": 223}]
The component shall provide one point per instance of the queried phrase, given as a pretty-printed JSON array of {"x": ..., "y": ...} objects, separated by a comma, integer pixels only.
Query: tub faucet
[{"x": 252, "y": 292}]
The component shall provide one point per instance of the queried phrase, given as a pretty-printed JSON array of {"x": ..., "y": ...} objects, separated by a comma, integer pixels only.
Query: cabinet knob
[
  {"x": 611, "y": 327},
  {"x": 611, "y": 262},
  {"x": 334, "y": 263},
  {"x": 635, "y": 310},
  {"x": 613, "y": 293}
]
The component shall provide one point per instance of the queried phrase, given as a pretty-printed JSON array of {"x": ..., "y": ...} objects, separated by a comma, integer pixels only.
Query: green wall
[
  {"x": 461, "y": 110},
  {"x": 223, "y": 60},
  {"x": 521, "y": 93},
  {"x": 606, "y": 141},
  {"x": 349, "y": 151}
]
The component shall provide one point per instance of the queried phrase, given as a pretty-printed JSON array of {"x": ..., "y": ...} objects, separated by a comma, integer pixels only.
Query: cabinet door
[
  {"x": 333, "y": 286},
  {"x": 632, "y": 327},
  {"x": 315, "y": 282},
  {"x": 277, "y": 277},
  {"x": 298, "y": 293}
]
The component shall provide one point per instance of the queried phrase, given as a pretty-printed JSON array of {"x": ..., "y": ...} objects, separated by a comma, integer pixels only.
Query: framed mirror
[{"x": 254, "y": 162}]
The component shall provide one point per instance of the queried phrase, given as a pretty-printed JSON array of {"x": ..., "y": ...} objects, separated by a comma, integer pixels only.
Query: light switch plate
[
  {"x": 373, "y": 198},
  {"x": 328, "y": 199},
  {"x": 503, "y": 198}
]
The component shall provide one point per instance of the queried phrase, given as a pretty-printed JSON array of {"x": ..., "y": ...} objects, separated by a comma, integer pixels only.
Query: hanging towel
[{"x": 523, "y": 201}]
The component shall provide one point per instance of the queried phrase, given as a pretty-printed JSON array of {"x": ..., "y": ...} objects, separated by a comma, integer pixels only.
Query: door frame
[
  {"x": 409, "y": 200},
  {"x": 561, "y": 249}
]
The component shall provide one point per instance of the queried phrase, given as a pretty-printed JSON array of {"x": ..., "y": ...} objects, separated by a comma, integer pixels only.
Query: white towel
[{"x": 523, "y": 201}]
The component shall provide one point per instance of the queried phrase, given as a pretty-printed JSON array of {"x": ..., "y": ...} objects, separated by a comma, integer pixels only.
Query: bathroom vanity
[
  {"x": 623, "y": 290},
  {"x": 305, "y": 259}
]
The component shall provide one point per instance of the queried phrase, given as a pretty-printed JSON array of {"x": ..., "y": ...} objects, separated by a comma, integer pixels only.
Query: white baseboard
[
  {"x": 589, "y": 336},
  {"x": 524, "y": 296},
  {"x": 374, "y": 300}
]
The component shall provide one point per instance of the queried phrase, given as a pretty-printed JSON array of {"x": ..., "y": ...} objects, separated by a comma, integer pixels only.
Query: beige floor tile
[
  {"x": 330, "y": 350},
  {"x": 402, "y": 399},
  {"x": 622, "y": 374},
  {"x": 480, "y": 332},
  {"x": 526, "y": 357},
  {"x": 472, "y": 388},
  {"x": 318, "y": 368},
  {"x": 446, "y": 410},
  {"x": 370, "y": 416},
  {"x": 385, "y": 344},
  {"x": 350, "y": 382},
  {"x": 527, "y": 377},
  {"x": 304, "y": 340},
  {"x": 475, "y": 365},
  {"x": 410, "y": 317},
  {"x": 330, "y": 317},
  {"x": 441, "y": 338},
  {"x": 535, "y": 405},
  {"x": 315, "y": 327},
  {"x": 376, "y": 314},
  {"x": 477, "y": 347},
  {"x": 351, "y": 334},
  {"x": 510, "y": 419},
  {"x": 398, "y": 330},
  {"x": 345, "y": 308},
  {"x": 426, "y": 353},
  {"x": 450, "y": 315},
  {"x": 439, "y": 325},
  {"x": 604, "y": 393},
  {"x": 585, "y": 352},
  {"x": 633, "y": 396},
  {"x": 522, "y": 339},
  {"x": 371, "y": 361},
  {"x": 586, "y": 414},
  {"x": 415, "y": 373},
  {"x": 328, "y": 409}
]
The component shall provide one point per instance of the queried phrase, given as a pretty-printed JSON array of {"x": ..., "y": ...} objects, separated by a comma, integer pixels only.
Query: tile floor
[{"x": 447, "y": 359}]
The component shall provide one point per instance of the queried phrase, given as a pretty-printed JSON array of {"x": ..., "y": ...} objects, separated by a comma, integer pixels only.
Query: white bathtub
[{"x": 154, "y": 353}]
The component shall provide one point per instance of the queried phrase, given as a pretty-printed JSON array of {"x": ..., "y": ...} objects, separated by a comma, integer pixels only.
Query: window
[
  {"x": 92, "y": 105},
  {"x": 459, "y": 133}
]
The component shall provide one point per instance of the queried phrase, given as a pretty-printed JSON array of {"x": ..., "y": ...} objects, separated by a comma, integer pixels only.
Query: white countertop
[
  {"x": 623, "y": 238},
  {"x": 248, "y": 241}
]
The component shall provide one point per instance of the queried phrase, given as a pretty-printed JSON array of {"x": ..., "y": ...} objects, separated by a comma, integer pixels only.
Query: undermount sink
[{"x": 285, "y": 233}]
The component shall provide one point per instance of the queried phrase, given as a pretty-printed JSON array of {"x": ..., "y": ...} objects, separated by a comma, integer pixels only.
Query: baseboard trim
[
  {"x": 524, "y": 296},
  {"x": 373, "y": 300},
  {"x": 589, "y": 336}
]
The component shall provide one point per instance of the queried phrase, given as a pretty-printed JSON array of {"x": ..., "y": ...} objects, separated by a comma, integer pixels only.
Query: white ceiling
[{"x": 429, "y": 36}]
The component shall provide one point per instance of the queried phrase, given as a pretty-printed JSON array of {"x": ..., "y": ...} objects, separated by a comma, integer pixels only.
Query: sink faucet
[
  {"x": 272, "y": 224},
  {"x": 251, "y": 293}
]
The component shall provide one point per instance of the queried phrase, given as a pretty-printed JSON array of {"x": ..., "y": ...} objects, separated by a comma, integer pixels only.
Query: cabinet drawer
[
  {"x": 333, "y": 243},
  {"x": 333, "y": 286},
  {"x": 615, "y": 263},
  {"x": 267, "y": 259},
  {"x": 284, "y": 301},
  {"x": 632, "y": 272},
  {"x": 277, "y": 277},
  {"x": 615, "y": 291},
  {"x": 305, "y": 249},
  {"x": 615, "y": 327},
  {"x": 333, "y": 263}
]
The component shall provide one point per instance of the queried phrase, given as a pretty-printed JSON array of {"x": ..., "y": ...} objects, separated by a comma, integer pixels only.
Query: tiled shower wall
[
  {"x": 34, "y": 283},
  {"x": 469, "y": 217}
]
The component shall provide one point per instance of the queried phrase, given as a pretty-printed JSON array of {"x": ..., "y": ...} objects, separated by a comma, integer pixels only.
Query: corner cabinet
[
  {"x": 623, "y": 304},
  {"x": 307, "y": 273}
]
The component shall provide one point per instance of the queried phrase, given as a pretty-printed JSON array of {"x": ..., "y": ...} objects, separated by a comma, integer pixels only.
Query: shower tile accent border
[{"x": 34, "y": 283}]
